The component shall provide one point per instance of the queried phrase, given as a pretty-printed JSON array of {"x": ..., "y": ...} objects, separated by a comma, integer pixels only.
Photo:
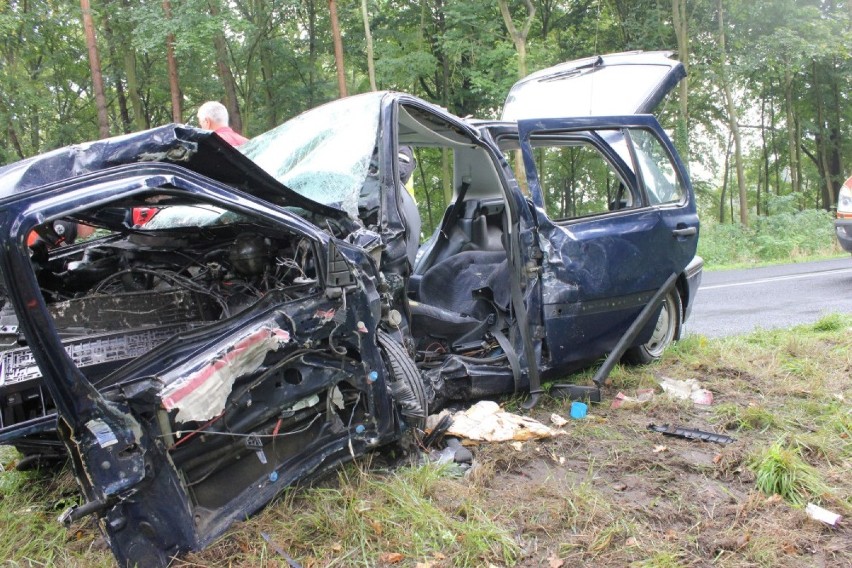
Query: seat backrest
[{"x": 450, "y": 283}]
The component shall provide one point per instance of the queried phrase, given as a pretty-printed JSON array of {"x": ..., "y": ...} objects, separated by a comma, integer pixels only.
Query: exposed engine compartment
[
  {"x": 187, "y": 325},
  {"x": 119, "y": 296}
]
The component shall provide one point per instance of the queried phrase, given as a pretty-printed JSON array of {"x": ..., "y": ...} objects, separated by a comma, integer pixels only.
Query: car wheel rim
[{"x": 663, "y": 331}]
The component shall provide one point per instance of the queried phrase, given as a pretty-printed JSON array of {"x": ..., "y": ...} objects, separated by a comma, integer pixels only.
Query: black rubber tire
[
  {"x": 667, "y": 330},
  {"x": 38, "y": 461},
  {"x": 408, "y": 381}
]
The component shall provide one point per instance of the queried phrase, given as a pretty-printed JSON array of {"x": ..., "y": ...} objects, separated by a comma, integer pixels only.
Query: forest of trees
[{"x": 764, "y": 118}]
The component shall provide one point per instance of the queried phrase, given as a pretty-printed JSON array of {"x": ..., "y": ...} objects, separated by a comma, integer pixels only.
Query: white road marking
[{"x": 778, "y": 278}]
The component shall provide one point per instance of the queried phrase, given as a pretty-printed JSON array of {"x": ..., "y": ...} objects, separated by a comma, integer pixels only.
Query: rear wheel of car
[
  {"x": 406, "y": 381},
  {"x": 665, "y": 332}
]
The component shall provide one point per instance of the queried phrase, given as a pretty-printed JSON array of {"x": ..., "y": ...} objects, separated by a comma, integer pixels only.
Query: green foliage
[
  {"x": 830, "y": 323},
  {"x": 369, "y": 515},
  {"x": 790, "y": 60},
  {"x": 778, "y": 237},
  {"x": 780, "y": 470}
]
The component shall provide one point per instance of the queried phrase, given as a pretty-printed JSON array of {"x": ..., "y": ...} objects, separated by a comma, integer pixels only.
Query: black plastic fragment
[
  {"x": 690, "y": 434},
  {"x": 438, "y": 431},
  {"x": 580, "y": 393}
]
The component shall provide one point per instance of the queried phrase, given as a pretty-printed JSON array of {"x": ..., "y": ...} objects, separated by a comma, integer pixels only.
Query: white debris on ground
[
  {"x": 689, "y": 389},
  {"x": 621, "y": 400},
  {"x": 486, "y": 422},
  {"x": 823, "y": 515},
  {"x": 557, "y": 420}
]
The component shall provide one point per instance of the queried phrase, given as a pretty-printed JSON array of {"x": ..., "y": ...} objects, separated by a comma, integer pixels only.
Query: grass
[
  {"x": 29, "y": 506},
  {"x": 608, "y": 493},
  {"x": 780, "y": 470},
  {"x": 732, "y": 416}
]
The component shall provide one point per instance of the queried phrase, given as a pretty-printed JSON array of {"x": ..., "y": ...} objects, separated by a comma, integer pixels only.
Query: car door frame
[
  {"x": 582, "y": 320},
  {"x": 520, "y": 244}
]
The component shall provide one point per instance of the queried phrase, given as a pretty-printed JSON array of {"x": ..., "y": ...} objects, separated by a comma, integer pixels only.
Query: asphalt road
[{"x": 740, "y": 301}]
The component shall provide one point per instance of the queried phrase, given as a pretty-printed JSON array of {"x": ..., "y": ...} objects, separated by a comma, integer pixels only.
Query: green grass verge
[{"x": 608, "y": 493}]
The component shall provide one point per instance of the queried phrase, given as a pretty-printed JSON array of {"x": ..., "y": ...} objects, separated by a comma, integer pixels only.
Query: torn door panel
[{"x": 199, "y": 388}]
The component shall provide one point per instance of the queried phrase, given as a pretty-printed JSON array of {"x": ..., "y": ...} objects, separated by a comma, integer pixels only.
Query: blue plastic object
[{"x": 578, "y": 410}]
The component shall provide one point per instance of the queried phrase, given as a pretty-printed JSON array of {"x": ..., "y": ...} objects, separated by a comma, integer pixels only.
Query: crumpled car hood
[{"x": 198, "y": 150}]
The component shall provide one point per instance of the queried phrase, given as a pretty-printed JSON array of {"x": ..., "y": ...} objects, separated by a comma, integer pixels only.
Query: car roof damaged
[{"x": 197, "y": 150}]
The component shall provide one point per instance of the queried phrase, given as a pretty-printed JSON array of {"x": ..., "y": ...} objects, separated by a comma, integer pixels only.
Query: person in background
[{"x": 213, "y": 115}]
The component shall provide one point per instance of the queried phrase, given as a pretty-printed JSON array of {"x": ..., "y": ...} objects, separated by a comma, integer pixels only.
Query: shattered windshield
[{"x": 324, "y": 153}]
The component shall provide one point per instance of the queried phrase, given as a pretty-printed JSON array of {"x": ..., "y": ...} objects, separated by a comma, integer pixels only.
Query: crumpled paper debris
[
  {"x": 689, "y": 389},
  {"x": 621, "y": 400},
  {"x": 486, "y": 422},
  {"x": 557, "y": 420}
]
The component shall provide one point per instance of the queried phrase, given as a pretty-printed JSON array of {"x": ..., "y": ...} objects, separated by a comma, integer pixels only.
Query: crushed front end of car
[{"x": 195, "y": 365}]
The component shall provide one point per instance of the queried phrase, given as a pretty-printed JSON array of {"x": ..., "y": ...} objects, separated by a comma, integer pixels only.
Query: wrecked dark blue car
[{"x": 237, "y": 320}]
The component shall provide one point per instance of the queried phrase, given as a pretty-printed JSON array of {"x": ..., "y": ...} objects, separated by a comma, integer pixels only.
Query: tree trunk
[
  {"x": 225, "y": 75},
  {"x": 774, "y": 141},
  {"x": 791, "y": 128},
  {"x": 123, "y": 111},
  {"x": 680, "y": 21},
  {"x": 837, "y": 156},
  {"x": 725, "y": 177},
  {"x": 95, "y": 65},
  {"x": 312, "y": 50},
  {"x": 338, "y": 48},
  {"x": 126, "y": 123},
  {"x": 13, "y": 139},
  {"x": 621, "y": 15},
  {"x": 835, "y": 160},
  {"x": 545, "y": 14},
  {"x": 35, "y": 128},
  {"x": 427, "y": 193},
  {"x": 764, "y": 155},
  {"x": 268, "y": 68},
  {"x": 140, "y": 120},
  {"x": 822, "y": 142},
  {"x": 174, "y": 83},
  {"x": 519, "y": 37},
  {"x": 798, "y": 158},
  {"x": 371, "y": 66},
  {"x": 732, "y": 119},
  {"x": 442, "y": 82}
]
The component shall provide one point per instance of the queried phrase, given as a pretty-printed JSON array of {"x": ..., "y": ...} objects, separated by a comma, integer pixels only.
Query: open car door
[{"x": 616, "y": 219}]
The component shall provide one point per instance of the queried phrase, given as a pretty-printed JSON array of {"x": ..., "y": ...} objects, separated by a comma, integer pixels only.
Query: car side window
[
  {"x": 577, "y": 180},
  {"x": 659, "y": 174}
]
